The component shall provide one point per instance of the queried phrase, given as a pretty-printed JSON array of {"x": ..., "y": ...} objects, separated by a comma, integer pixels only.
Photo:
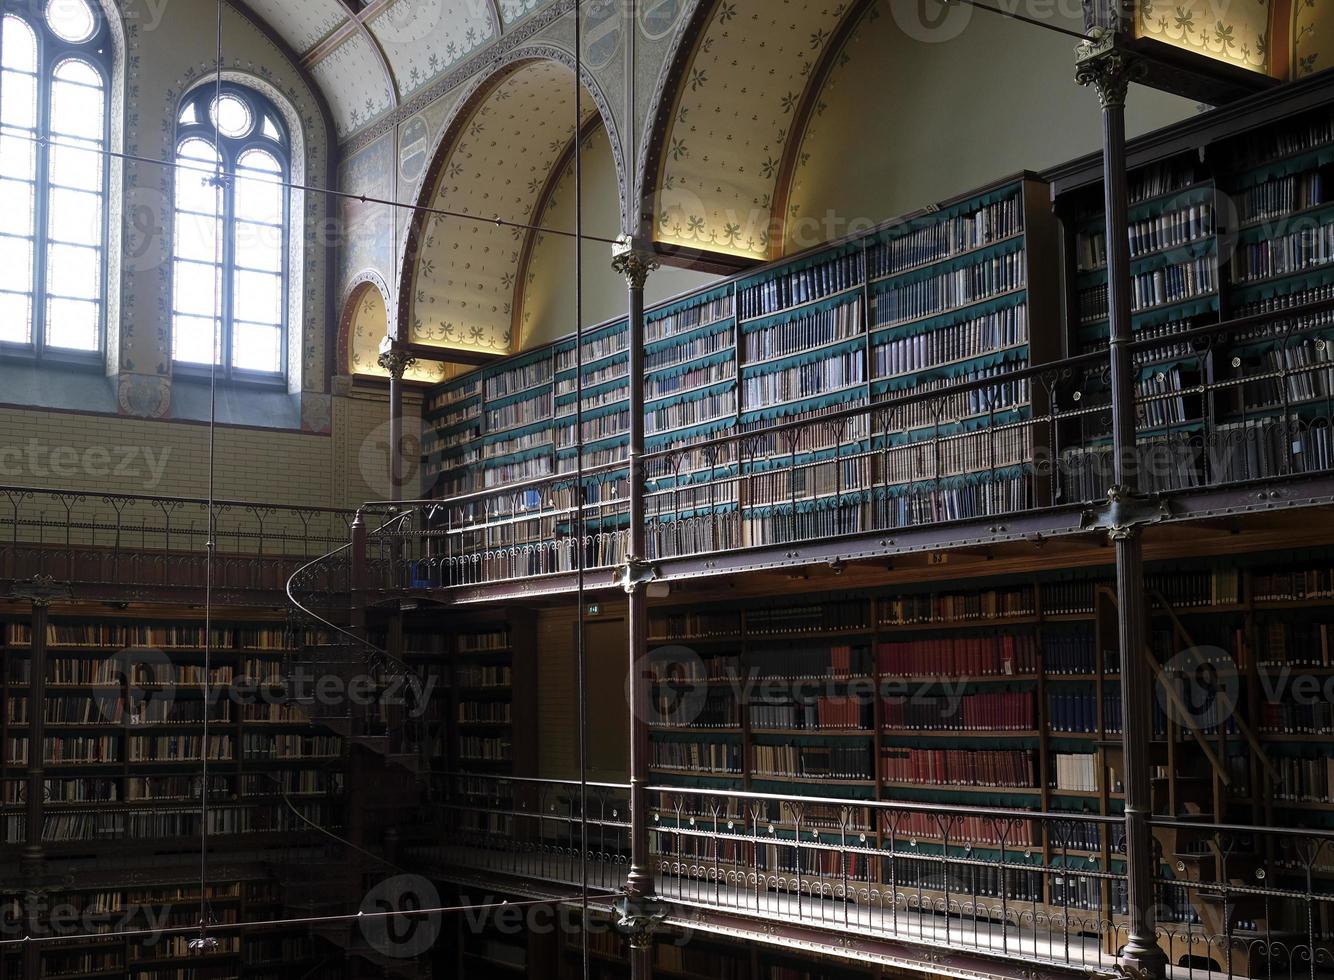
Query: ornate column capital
[
  {"x": 1104, "y": 63},
  {"x": 634, "y": 259},
  {"x": 396, "y": 362}
]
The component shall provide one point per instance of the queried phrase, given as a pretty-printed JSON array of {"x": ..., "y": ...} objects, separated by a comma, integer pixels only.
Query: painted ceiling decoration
[
  {"x": 496, "y": 160},
  {"x": 737, "y": 108},
  {"x": 369, "y": 57}
]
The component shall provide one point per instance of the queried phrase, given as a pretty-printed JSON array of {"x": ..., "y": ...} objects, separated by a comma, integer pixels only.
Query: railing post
[
  {"x": 639, "y": 913},
  {"x": 1106, "y": 66},
  {"x": 357, "y": 576}
]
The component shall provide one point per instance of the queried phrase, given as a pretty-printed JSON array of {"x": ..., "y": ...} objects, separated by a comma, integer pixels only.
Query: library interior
[{"x": 738, "y": 489}]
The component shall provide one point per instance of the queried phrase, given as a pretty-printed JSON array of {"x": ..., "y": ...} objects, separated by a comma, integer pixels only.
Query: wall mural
[
  {"x": 367, "y": 228},
  {"x": 463, "y": 287},
  {"x": 730, "y": 127}
]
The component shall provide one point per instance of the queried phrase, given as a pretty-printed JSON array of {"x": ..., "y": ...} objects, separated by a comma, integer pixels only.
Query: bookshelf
[
  {"x": 1001, "y": 693},
  {"x": 123, "y": 721},
  {"x": 943, "y": 295},
  {"x": 1241, "y": 224}
]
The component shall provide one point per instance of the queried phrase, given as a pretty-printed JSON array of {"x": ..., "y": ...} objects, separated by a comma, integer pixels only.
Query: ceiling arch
[
  {"x": 495, "y": 160},
  {"x": 369, "y": 55},
  {"x": 744, "y": 73}
]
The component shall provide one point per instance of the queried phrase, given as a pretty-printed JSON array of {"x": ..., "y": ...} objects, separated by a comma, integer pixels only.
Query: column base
[{"x": 1140, "y": 961}]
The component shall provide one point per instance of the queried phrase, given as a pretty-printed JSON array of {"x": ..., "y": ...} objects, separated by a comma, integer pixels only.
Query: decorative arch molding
[
  {"x": 357, "y": 287},
  {"x": 419, "y": 240},
  {"x": 733, "y": 218}
]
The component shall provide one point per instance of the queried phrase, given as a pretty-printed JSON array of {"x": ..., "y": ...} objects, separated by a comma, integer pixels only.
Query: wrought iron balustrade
[
  {"x": 1223, "y": 405},
  {"x": 141, "y": 545},
  {"x": 1017, "y": 885}
]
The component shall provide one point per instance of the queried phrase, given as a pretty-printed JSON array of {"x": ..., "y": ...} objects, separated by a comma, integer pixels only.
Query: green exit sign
[{"x": 594, "y": 609}]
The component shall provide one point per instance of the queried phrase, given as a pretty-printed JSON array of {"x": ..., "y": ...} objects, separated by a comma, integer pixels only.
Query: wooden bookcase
[
  {"x": 123, "y": 722},
  {"x": 1033, "y": 660}
]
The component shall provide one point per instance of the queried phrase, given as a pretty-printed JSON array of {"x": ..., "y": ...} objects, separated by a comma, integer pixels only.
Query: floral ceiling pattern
[
  {"x": 734, "y": 117},
  {"x": 498, "y": 167},
  {"x": 1243, "y": 39}
]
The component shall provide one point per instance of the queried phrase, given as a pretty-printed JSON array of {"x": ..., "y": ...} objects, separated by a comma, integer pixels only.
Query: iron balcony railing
[
  {"x": 156, "y": 544},
  {"x": 1248, "y": 400},
  {"x": 1034, "y": 887}
]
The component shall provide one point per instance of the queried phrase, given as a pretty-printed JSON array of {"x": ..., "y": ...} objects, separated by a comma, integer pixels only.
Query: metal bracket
[
  {"x": 636, "y": 573},
  {"x": 638, "y": 920},
  {"x": 1126, "y": 513}
]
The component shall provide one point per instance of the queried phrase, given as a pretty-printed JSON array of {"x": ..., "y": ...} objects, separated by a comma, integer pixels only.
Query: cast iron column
[
  {"x": 639, "y": 913},
  {"x": 1110, "y": 70},
  {"x": 396, "y": 363}
]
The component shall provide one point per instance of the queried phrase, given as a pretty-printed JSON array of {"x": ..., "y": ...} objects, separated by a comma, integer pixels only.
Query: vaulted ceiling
[{"x": 369, "y": 55}]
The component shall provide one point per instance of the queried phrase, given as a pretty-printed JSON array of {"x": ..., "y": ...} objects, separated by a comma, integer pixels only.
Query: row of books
[
  {"x": 159, "y": 823},
  {"x": 903, "y": 826},
  {"x": 596, "y": 428},
  {"x": 973, "y": 338},
  {"x": 1303, "y": 248},
  {"x": 484, "y": 642},
  {"x": 1156, "y": 288},
  {"x": 527, "y": 411},
  {"x": 1282, "y": 644},
  {"x": 1076, "y": 712},
  {"x": 1159, "y": 401},
  {"x": 807, "y": 332},
  {"x": 475, "y": 748},
  {"x": 705, "y": 344},
  {"x": 837, "y": 661},
  {"x": 794, "y": 287},
  {"x": 1173, "y": 229},
  {"x": 707, "y": 407},
  {"x": 291, "y": 746},
  {"x": 691, "y": 318},
  {"x": 484, "y": 675},
  {"x": 793, "y": 761},
  {"x": 1075, "y": 773},
  {"x": 1008, "y": 768},
  {"x": 665, "y": 385},
  {"x": 1308, "y": 373},
  {"x": 995, "y": 711},
  {"x": 824, "y": 713},
  {"x": 1297, "y": 719},
  {"x": 926, "y": 412},
  {"x": 715, "y": 757},
  {"x": 515, "y": 380},
  {"x": 595, "y": 349},
  {"x": 901, "y": 302},
  {"x": 484, "y": 711},
  {"x": 1071, "y": 653},
  {"x": 947, "y": 237},
  {"x": 178, "y": 748},
  {"x": 1158, "y": 179},
  {"x": 517, "y": 444},
  {"x": 718, "y": 709},
  {"x": 992, "y": 655},
  {"x": 952, "y": 607},
  {"x": 674, "y": 624},
  {"x": 842, "y": 370},
  {"x": 958, "y": 455},
  {"x": 824, "y": 617},
  {"x": 1304, "y": 780},
  {"x": 614, "y": 371},
  {"x": 120, "y": 636},
  {"x": 824, "y": 479},
  {"x": 1282, "y": 196}
]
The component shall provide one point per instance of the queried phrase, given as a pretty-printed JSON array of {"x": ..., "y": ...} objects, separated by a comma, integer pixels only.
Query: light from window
[
  {"x": 71, "y": 20},
  {"x": 53, "y": 130},
  {"x": 230, "y": 263},
  {"x": 231, "y": 116}
]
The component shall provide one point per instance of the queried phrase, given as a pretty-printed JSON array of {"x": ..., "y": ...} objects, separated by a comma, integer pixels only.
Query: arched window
[
  {"x": 229, "y": 301},
  {"x": 54, "y": 66}
]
